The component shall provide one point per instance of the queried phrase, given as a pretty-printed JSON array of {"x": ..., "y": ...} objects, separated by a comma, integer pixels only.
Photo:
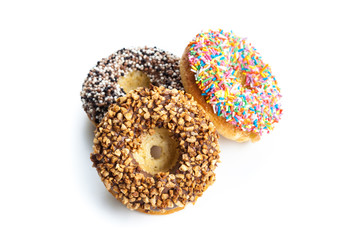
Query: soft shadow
[
  {"x": 88, "y": 133},
  {"x": 111, "y": 204},
  {"x": 227, "y": 142}
]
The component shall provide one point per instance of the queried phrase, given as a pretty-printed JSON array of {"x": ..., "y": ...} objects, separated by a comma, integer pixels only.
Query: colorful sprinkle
[{"x": 235, "y": 80}]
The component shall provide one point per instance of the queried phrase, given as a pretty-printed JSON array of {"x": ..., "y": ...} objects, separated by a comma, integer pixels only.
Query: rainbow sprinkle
[{"x": 235, "y": 81}]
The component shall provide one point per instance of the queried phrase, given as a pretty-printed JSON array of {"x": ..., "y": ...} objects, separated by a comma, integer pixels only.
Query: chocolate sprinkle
[{"x": 101, "y": 89}]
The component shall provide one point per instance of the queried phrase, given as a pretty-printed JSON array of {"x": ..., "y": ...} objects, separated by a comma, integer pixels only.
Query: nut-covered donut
[
  {"x": 228, "y": 77},
  {"x": 126, "y": 70},
  {"x": 160, "y": 118}
]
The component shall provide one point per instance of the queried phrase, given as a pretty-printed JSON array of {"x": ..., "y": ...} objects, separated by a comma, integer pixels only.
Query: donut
[
  {"x": 229, "y": 79},
  {"x": 156, "y": 150},
  {"x": 124, "y": 71}
]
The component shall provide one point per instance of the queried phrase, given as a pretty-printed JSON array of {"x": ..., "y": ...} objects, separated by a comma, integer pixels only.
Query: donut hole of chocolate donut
[
  {"x": 133, "y": 80},
  {"x": 158, "y": 152}
]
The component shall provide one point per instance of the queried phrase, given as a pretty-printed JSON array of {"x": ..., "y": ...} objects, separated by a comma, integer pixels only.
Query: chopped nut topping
[
  {"x": 119, "y": 135},
  {"x": 147, "y": 115},
  {"x": 183, "y": 168},
  {"x": 128, "y": 116},
  {"x": 191, "y": 139}
]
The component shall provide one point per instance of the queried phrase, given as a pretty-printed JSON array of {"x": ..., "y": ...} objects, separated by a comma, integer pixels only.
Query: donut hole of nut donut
[
  {"x": 155, "y": 152},
  {"x": 158, "y": 152},
  {"x": 133, "y": 80}
]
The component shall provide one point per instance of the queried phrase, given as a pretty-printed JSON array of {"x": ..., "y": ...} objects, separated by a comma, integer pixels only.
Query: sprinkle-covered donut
[
  {"x": 185, "y": 140},
  {"x": 228, "y": 77},
  {"x": 124, "y": 71}
]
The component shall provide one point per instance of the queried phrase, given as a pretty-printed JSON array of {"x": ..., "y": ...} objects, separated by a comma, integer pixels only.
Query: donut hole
[
  {"x": 241, "y": 77},
  {"x": 158, "y": 152},
  {"x": 133, "y": 80},
  {"x": 155, "y": 152}
]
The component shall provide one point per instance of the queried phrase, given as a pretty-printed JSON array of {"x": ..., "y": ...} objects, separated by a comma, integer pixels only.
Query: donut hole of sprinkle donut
[
  {"x": 133, "y": 80},
  {"x": 158, "y": 151}
]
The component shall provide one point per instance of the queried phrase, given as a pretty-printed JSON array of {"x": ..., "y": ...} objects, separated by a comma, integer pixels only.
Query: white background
[{"x": 301, "y": 181}]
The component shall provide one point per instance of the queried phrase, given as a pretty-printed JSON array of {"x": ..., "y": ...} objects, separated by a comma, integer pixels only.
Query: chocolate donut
[
  {"x": 124, "y": 71},
  {"x": 156, "y": 118}
]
